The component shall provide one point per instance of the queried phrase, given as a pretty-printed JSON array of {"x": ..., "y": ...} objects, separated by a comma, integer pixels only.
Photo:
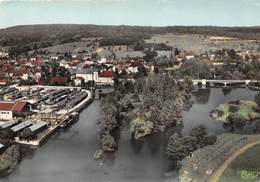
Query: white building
[
  {"x": 86, "y": 74},
  {"x": 4, "y": 55},
  {"x": 6, "y": 111},
  {"x": 106, "y": 78}
]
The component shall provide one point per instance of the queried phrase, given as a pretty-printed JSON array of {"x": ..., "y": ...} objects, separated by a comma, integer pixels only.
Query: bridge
[{"x": 225, "y": 83}]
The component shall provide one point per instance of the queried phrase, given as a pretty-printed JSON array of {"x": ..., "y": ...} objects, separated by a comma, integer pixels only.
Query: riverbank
[
  {"x": 9, "y": 159},
  {"x": 43, "y": 136},
  {"x": 143, "y": 160},
  {"x": 253, "y": 142},
  {"x": 206, "y": 161}
]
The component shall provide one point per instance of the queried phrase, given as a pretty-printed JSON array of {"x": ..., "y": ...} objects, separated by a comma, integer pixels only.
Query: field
[
  {"x": 245, "y": 167},
  {"x": 201, "y": 43},
  {"x": 191, "y": 38},
  {"x": 72, "y": 47}
]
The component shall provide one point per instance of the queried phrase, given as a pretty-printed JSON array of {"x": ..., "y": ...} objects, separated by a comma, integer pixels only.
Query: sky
[{"x": 131, "y": 12}]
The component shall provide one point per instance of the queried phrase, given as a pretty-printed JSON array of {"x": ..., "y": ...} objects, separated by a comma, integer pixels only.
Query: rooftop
[{"x": 21, "y": 126}]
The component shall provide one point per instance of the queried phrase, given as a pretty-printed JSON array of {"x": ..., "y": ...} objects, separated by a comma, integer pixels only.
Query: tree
[
  {"x": 7, "y": 134},
  {"x": 257, "y": 99},
  {"x": 180, "y": 147},
  {"x": 195, "y": 68},
  {"x": 150, "y": 54},
  {"x": 233, "y": 108},
  {"x": 108, "y": 143},
  {"x": 176, "y": 52}
]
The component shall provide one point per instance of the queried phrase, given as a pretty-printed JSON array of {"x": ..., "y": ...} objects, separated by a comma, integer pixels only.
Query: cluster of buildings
[
  {"x": 38, "y": 110},
  {"x": 8, "y": 110},
  {"x": 81, "y": 70}
]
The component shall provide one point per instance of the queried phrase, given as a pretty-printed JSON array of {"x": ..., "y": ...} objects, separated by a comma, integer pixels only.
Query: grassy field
[
  {"x": 200, "y": 43},
  {"x": 245, "y": 111},
  {"x": 245, "y": 168}
]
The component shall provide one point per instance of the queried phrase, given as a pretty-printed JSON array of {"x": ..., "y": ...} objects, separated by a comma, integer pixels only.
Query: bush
[
  {"x": 257, "y": 99},
  {"x": 139, "y": 127},
  {"x": 180, "y": 147},
  {"x": 220, "y": 113},
  {"x": 108, "y": 143},
  {"x": 233, "y": 108}
]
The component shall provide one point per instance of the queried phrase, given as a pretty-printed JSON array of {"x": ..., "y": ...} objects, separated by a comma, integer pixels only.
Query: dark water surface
[{"x": 68, "y": 156}]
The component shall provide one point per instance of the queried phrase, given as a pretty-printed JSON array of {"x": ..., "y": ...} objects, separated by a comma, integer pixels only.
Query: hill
[{"x": 28, "y": 37}]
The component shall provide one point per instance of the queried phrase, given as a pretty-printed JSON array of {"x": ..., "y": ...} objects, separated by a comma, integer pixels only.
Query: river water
[{"x": 68, "y": 155}]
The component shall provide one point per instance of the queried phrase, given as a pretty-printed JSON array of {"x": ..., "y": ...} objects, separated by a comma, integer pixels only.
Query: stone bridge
[{"x": 225, "y": 83}]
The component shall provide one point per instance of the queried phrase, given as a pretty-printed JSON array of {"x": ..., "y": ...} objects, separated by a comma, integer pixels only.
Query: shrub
[{"x": 233, "y": 108}]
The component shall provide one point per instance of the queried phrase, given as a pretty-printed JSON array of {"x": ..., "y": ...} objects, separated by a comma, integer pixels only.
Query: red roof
[
  {"x": 109, "y": 62},
  {"x": 20, "y": 61},
  {"x": 5, "y": 65},
  {"x": 12, "y": 106},
  {"x": 106, "y": 73},
  {"x": 136, "y": 64},
  {"x": 2, "y": 82},
  {"x": 74, "y": 62},
  {"x": 58, "y": 80},
  {"x": 20, "y": 72},
  {"x": 6, "y": 106},
  {"x": 18, "y": 107},
  {"x": 37, "y": 62}
]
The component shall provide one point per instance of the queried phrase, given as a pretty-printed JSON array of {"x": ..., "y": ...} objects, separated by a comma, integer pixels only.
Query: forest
[{"x": 28, "y": 37}]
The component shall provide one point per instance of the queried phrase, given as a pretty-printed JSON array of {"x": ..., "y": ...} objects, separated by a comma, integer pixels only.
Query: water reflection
[
  {"x": 137, "y": 145},
  {"x": 226, "y": 90},
  {"x": 68, "y": 155},
  {"x": 202, "y": 96}
]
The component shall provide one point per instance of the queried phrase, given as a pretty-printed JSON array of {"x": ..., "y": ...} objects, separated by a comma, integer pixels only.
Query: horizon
[
  {"x": 164, "y": 26},
  {"x": 159, "y": 13}
]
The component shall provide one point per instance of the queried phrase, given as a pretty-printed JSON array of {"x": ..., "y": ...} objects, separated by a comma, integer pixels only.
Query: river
[{"x": 68, "y": 155}]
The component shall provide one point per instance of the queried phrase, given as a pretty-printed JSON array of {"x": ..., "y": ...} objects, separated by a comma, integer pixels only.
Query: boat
[{"x": 69, "y": 120}]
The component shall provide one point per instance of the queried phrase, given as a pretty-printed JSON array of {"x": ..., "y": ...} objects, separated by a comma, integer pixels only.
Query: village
[{"x": 45, "y": 90}]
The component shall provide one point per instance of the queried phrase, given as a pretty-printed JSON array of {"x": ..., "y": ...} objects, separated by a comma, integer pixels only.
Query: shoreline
[{"x": 53, "y": 129}]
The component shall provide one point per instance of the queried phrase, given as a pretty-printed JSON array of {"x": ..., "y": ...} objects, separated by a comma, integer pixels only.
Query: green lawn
[
  {"x": 245, "y": 168},
  {"x": 245, "y": 111}
]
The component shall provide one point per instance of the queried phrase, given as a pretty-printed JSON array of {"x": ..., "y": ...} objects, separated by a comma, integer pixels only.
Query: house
[
  {"x": 87, "y": 74},
  {"x": 38, "y": 127},
  {"x": 189, "y": 56},
  {"x": 37, "y": 62},
  {"x": 21, "y": 126},
  {"x": 64, "y": 63},
  {"x": 180, "y": 58},
  {"x": 58, "y": 80},
  {"x": 6, "y": 112},
  {"x": 2, "y": 82},
  {"x": 10, "y": 109},
  {"x": 8, "y": 124},
  {"x": 105, "y": 77},
  {"x": 78, "y": 81},
  {"x": 21, "y": 73},
  {"x": 4, "y": 55}
]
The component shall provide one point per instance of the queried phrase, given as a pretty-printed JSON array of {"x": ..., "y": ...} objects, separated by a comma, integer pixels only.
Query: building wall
[
  {"x": 89, "y": 77},
  {"x": 6, "y": 115},
  {"x": 25, "y": 76},
  {"x": 106, "y": 80},
  {"x": 86, "y": 77},
  {"x": 77, "y": 82}
]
